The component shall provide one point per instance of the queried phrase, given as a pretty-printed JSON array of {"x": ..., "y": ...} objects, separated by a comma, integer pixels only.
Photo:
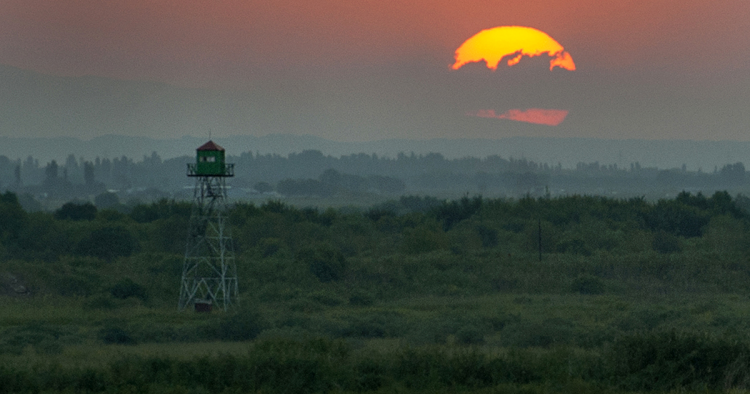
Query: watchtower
[{"x": 209, "y": 273}]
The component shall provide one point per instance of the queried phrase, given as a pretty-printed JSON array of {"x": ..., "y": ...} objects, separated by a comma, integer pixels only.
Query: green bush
[
  {"x": 324, "y": 261},
  {"x": 423, "y": 239},
  {"x": 464, "y": 329},
  {"x": 676, "y": 217},
  {"x": 587, "y": 285},
  {"x": 126, "y": 288},
  {"x": 470, "y": 335},
  {"x": 307, "y": 366},
  {"x": 665, "y": 243},
  {"x": 642, "y": 320},
  {"x": 370, "y": 374},
  {"x": 116, "y": 335},
  {"x": 44, "y": 338},
  {"x": 500, "y": 320},
  {"x": 538, "y": 334},
  {"x": 74, "y": 211},
  {"x": 269, "y": 246},
  {"x": 79, "y": 282},
  {"x": 12, "y": 215},
  {"x": 326, "y": 297},
  {"x": 102, "y": 301},
  {"x": 670, "y": 360},
  {"x": 376, "y": 325},
  {"x": 48, "y": 347},
  {"x": 573, "y": 246},
  {"x": 361, "y": 298},
  {"x": 108, "y": 242},
  {"x": 241, "y": 325},
  {"x": 488, "y": 236}
]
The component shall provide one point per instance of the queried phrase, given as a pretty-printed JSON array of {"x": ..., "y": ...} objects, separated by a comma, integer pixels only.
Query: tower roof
[{"x": 210, "y": 145}]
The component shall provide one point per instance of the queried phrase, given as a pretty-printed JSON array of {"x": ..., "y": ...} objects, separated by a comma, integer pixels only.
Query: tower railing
[{"x": 227, "y": 170}]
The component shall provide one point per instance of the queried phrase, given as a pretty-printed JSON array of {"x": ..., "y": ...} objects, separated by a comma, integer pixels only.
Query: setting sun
[{"x": 492, "y": 45}]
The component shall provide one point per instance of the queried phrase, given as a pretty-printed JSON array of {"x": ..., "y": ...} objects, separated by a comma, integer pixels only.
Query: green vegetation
[{"x": 412, "y": 295}]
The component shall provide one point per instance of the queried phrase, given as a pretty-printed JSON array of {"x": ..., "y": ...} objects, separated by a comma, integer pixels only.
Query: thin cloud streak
[{"x": 549, "y": 117}]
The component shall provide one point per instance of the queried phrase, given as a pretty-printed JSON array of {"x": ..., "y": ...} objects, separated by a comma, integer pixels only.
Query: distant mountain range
[{"x": 695, "y": 155}]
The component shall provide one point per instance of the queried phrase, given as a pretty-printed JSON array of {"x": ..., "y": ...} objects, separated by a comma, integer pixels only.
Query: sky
[{"x": 357, "y": 70}]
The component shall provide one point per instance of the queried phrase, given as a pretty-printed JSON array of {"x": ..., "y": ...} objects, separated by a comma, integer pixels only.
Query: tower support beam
[{"x": 209, "y": 273}]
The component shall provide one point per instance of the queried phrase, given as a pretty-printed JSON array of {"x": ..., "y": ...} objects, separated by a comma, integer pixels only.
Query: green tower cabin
[{"x": 210, "y": 161}]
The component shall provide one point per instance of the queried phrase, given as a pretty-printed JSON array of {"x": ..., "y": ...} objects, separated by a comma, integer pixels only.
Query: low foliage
[{"x": 416, "y": 294}]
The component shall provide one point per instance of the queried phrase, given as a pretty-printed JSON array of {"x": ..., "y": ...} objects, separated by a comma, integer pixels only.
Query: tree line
[
  {"x": 419, "y": 224},
  {"x": 311, "y": 172}
]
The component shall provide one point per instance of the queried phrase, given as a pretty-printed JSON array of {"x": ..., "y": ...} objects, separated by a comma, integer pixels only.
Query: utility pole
[{"x": 540, "y": 239}]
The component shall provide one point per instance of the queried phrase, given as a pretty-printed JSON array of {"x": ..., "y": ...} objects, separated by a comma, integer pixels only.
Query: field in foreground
[{"x": 415, "y": 295}]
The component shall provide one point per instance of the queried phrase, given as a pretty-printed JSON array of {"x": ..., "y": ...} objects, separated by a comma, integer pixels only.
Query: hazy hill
[
  {"x": 695, "y": 155},
  {"x": 111, "y": 118}
]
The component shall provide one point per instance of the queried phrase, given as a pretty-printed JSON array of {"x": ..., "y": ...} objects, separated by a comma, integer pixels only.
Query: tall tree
[{"x": 88, "y": 173}]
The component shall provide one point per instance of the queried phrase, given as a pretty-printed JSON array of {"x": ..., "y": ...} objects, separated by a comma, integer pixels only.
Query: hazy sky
[{"x": 364, "y": 69}]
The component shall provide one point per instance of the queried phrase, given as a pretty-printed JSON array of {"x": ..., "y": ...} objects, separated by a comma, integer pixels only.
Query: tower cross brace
[{"x": 209, "y": 272}]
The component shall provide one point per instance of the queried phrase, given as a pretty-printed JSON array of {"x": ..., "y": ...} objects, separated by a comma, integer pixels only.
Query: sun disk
[{"x": 492, "y": 45}]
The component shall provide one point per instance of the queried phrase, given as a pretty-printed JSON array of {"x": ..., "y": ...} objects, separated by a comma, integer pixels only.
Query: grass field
[{"x": 627, "y": 297}]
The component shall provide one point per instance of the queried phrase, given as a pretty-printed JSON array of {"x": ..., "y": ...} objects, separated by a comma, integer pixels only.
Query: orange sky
[
  {"x": 369, "y": 69},
  {"x": 202, "y": 42}
]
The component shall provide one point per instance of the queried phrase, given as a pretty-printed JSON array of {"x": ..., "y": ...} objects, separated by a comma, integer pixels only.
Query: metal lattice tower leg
[{"x": 209, "y": 273}]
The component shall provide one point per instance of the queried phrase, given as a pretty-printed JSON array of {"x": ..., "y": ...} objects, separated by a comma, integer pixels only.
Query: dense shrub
[
  {"x": 162, "y": 209},
  {"x": 12, "y": 216},
  {"x": 361, "y": 298},
  {"x": 115, "y": 334},
  {"x": 538, "y": 334},
  {"x": 676, "y": 218},
  {"x": 44, "y": 338},
  {"x": 467, "y": 330},
  {"x": 101, "y": 301},
  {"x": 587, "y": 285},
  {"x": 470, "y": 335},
  {"x": 671, "y": 360},
  {"x": 665, "y": 243},
  {"x": 451, "y": 213},
  {"x": 434, "y": 305},
  {"x": 376, "y": 325},
  {"x": 573, "y": 246},
  {"x": 242, "y": 325},
  {"x": 423, "y": 239},
  {"x": 126, "y": 288},
  {"x": 76, "y": 282},
  {"x": 325, "y": 297},
  {"x": 269, "y": 246},
  {"x": 642, "y": 320},
  {"x": 324, "y": 261},
  {"x": 75, "y": 211},
  {"x": 488, "y": 236},
  {"x": 108, "y": 242}
]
